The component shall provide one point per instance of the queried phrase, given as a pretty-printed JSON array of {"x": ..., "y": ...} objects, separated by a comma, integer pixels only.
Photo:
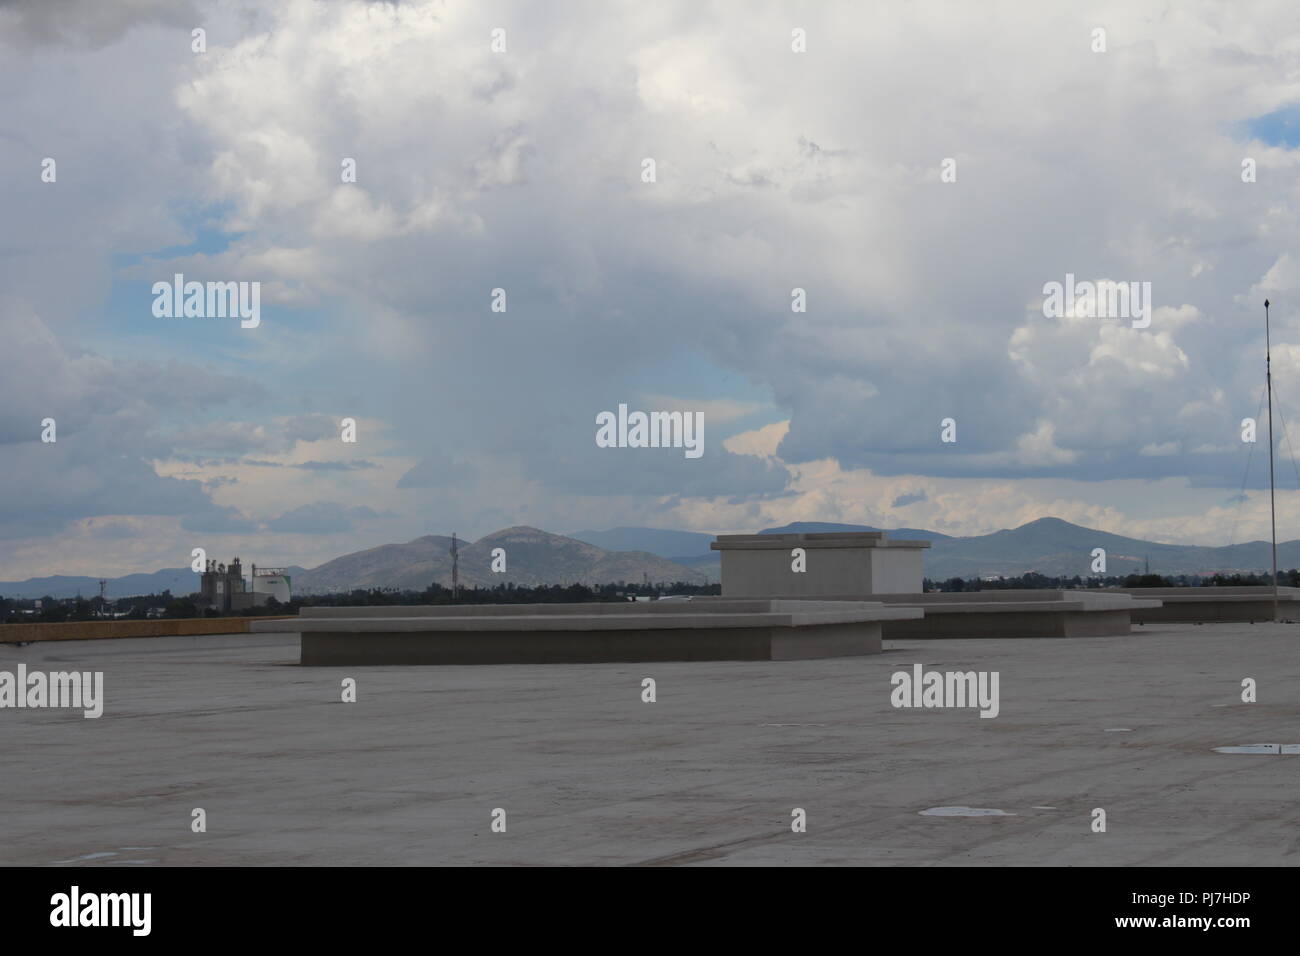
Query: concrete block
[{"x": 858, "y": 564}]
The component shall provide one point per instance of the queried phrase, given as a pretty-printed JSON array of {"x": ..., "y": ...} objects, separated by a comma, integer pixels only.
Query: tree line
[
  {"x": 166, "y": 605},
  {"x": 1033, "y": 580}
]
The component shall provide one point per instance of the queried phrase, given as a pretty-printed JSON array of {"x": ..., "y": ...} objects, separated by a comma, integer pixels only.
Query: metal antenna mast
[
  {"x": 1272, "y": 507},
  {"x": 455, "y": 566}
]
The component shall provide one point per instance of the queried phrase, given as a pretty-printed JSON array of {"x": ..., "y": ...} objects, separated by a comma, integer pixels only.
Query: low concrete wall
[
  {"x": 1210, "y": 605},
  {"x": 343, "y": 648},
  {"x": 1215, "y": 612},
  {"x": 100, "y": 630},
  {"x": 999, "y": 613},
  {"x": 694, "y": 605},
  {"x": 999, "y": 624},
  {"x": 716, "y": 629}
]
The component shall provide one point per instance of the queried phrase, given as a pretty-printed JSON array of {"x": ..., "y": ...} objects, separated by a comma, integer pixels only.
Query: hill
[
  {"x": 666, "y": 544},
  {"x": 1049, "y": 546},
  {"x": 532, "y": 557},
  {"x": 826, "y": 527},
  {"x": 1055, "y": 547}
]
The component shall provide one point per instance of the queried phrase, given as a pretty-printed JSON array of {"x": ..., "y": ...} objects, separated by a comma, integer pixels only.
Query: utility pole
[
  {"x": 455, "y": 569},
  {"x": 1272, "y": 507}
]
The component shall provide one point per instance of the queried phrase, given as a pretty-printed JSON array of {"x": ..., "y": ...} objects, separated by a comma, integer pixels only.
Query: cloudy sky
[{"x": 523, "y": 170}]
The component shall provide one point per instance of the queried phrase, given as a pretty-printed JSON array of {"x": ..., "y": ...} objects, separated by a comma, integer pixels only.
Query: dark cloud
[
  {"x": 311, "y": 427},
  {"x": 322, "y": 517},
  {"x": 218, "y": 520},
  {"x": 107, "y": 415},
  {"x": 112, "y": 530},
  {"x": 87, "y": 23},
  {"x": 910, "y": 498},
  {"x": 359, "y": 464},
  {"x": 437, "y": 470}
]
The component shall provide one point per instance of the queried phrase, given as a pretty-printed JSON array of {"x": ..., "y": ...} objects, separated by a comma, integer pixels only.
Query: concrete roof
[{"x": 588, "y": 774}]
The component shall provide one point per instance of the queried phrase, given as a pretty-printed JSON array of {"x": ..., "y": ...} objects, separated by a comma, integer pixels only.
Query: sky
[{"x": 920, "y": 170}]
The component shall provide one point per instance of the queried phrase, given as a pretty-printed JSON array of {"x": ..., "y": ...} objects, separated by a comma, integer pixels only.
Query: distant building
[
  {"x": 223, "y": 589},
  {"x": 272, "y": 582}
]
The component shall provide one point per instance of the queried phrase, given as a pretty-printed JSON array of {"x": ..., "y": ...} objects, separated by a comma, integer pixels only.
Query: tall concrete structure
[
  {"x": 866, "y": 565},
  {"x": 222, "y": 587},
  {"x": 835, "y": 564}
]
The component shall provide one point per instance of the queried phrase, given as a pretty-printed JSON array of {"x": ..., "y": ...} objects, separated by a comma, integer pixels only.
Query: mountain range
[
  {"x": 1048, "y": 545},
  {"x": 532, "y": 557}
]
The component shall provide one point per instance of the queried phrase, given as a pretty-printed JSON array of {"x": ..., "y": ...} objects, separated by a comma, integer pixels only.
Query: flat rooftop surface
[{"x": 589, "y": 774}]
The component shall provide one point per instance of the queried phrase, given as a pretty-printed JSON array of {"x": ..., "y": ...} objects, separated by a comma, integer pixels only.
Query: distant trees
[
  {"x": 1033, "y": 580},
  {"x": 182, "y": 607},
  {"x": 1147, "y": 581},
  {"x": 1284, "y": 579},
  {"x": 137, "y": 607},
  {"x": 508, "y": 593}
]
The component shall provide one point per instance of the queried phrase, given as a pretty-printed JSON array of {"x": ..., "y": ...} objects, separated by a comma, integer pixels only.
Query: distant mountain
[
  {"x": 825, "y": 527},
  {"x": 1055, "y": 547},
  {"x": 709, "y": 565},
  {"x": 533, "y": 557},
  {"x": 413, "y": 564},
  {"x": 666, "y": 544},
  {"x": 180, "y": 581},
  {"x": 1048, "y": 545}
]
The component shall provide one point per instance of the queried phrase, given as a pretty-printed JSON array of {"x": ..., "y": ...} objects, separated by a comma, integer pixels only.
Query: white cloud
[
  {"x": 759, "y": 441},
  {"x": 717, "y": 411},
  {"x": 776, "y": 171}
]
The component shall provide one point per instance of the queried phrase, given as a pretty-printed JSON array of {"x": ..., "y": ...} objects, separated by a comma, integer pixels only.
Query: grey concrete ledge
[
  {"x": 815, "y": 540},
  {"x": 998, "y": 614},
  {"x": 1213, "y": 605},
  {"x": 1214, "y": 593},
  {"x": 976, "y": 602},
  {"x": 583, "y": 622},
  {"x": 993, "y": 602},
  {"x": 1042, "y": 621},
  {"x": 619, "y": 609},
  {"x": 573, "y": 633},
  {"x": 332, "y": 649}
]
